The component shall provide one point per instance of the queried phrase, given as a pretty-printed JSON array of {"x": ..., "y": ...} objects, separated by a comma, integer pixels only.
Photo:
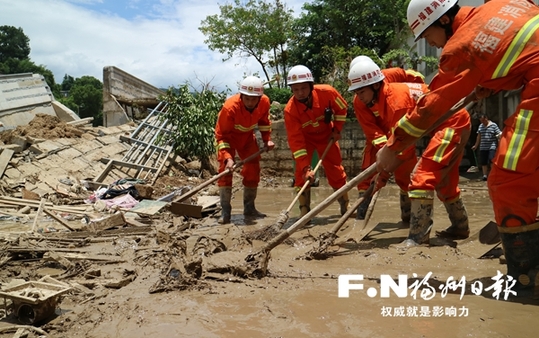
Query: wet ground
[{"x": 300, "y": 298}]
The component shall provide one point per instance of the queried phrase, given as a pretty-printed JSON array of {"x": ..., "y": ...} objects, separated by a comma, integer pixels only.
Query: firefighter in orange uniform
[
  {"x": 488, "y": 48},
  {"x": 375, "y": 135},
  {"x": 314, "y": 116},
  {"x": 234, "y": 133}
]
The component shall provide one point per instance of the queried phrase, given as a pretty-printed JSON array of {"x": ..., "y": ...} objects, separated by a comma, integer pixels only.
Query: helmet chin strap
[{"x": 307, "y": 101}]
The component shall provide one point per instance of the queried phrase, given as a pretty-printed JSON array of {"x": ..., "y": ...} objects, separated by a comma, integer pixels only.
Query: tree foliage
[
  {"x": 377, "y": 25},
  {"x": 256, "y": 28},
  {"x": 84, "y": 97},
  {"x": 14, "y": 44},
  {"x": 193, "y": 115}
]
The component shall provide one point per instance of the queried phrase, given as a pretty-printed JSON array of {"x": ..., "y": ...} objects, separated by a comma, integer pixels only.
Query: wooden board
[
  {"x": 148, "y": 207},
  {"x": 5, "y": 157}
]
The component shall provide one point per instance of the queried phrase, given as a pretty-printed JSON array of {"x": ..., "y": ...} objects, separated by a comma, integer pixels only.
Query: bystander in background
[{"x": 488, "y": 135}]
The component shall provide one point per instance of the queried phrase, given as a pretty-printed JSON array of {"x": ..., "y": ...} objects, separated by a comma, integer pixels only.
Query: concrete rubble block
[
  {"x": 29, "y": 169},
  {"x": 95, "y": 155},
  {"x": 29, "y": 195},
  {"x": 44, "y": 147},
  {"x": 87, "y": 146},
  {"x": 12, "y": 173},
  {"x": 67, "y": 141},
  {"x": 19, "y": 140},
  {"x": 34, "y": 140},
  {"x": 15, "y": 147},
  {"x": 108, "y": 139},
  {"x": 126, "y": 128},
  {"x": 69, "y": 154},
  {"x": 109, "y": 131},
  {"x": 51, "y": 161},
  {"x": 113, "y": 149},
  {"x": 88, "y": 136}
]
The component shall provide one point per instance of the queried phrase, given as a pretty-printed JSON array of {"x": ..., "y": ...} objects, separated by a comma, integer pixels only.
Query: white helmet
[
  {"x": 364, "y": 73},
  {"x": 299, "y": 74},
  {"x": 422, "y": 14},
  {"x": 361, "y": 58},
  {"x": 252, "y": 86}
]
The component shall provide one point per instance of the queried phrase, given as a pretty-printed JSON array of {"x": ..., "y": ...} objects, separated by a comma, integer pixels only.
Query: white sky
[{"x": 157, "y": 41}]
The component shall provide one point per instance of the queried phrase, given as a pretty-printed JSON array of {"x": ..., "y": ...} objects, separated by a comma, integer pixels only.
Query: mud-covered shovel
[
  {"x": 272, "y": 230},
  {"x": 257, "y": 263}
]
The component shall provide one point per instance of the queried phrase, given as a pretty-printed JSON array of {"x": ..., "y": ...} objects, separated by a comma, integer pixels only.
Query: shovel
[
  {"x": 257, "y": 263},
  {"x": 272, "y": 230},
  {"x": 218, "y": 176},
  {"x": 326, "y": 239}
]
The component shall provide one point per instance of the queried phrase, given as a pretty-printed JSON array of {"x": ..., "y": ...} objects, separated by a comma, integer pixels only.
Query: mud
[{"x": 167, "y": 282}]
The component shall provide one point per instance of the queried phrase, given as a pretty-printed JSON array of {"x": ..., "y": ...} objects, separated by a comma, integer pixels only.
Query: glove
[
  {"x": 308, "y": 174},
  {"x": 482, "y": 92},
  {"x": 229, "y": 163},
  {"x": 380, "y": 180},
  {"x": 269, "y": 145},
  {"x": 336, "y": 135}
]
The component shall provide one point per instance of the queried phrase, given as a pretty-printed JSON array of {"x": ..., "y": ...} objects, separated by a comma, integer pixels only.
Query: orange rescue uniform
[
  {"x": 394, "y": 101},
  {"x": 376, "y": 128},
  {"x": 495, "y": 45},
  {"x": 308, "y": 132},
  {"x": 234, "y": 132}
]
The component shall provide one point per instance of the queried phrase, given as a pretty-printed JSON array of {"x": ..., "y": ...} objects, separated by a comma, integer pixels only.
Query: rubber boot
[
  {"x": 406, "y": 208},
  {"x": 305, "y": 202},
  {"x": 225, "y": 195},
  {"x": 249, "y": 196},
  {"x": 522, "y": 256},
  {"x": 458, "y": 216},
  {"x": 344, "y": 202},
  {"x": 362, "y": 208},
  {"x": 420, "y": 224}
]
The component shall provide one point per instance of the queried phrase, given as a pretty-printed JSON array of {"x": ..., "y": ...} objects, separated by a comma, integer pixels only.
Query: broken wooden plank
[
  {"x": 148, "y": 207},
  {"x": 57, "y": 219},
  {"x": 108, "y": 223},
  {"x": 5, "y": 157},
  {"x": 38, "y": 214}
]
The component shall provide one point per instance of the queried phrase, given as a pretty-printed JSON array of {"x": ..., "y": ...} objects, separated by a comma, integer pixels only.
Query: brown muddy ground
[{"x": 175, "y": 283}]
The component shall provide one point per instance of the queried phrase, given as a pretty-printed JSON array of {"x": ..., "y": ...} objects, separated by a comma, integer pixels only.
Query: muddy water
[{"x": 299, "y": 298}]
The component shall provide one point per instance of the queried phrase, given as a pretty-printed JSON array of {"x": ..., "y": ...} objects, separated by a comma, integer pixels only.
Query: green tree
[
  {"x": 14, "y": 44},
  {"x": 193, "y": 115},
  {"x": 85, "y": 97},
  {"x": 256, "y": 28},
  {"x": 377, "y": 25}
]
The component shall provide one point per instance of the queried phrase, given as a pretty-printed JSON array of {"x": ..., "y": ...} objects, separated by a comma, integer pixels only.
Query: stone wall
[{"x": 352, "y": 144}]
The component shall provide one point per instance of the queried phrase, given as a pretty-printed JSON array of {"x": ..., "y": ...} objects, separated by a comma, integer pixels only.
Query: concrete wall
[
  {"x": 22, "y": 96},
  {"x": 119, "y": 88},
  {"x": 352, "y": 144}
]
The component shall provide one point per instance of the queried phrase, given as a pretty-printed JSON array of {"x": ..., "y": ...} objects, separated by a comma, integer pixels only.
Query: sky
[{"x": 156, "y": 41}]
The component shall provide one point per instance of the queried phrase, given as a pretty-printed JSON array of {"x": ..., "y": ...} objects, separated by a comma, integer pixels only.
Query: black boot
[
  {"x": 420, "y": 224},
  {"x": 249, "y": 196},
  {"x": 406, "y": 208},
  {"x": 458, "y": 216},
  {"x": 225, "y": 195},
  {"x": 521, "y": 253},
  {"x": 363, "y": 206}
]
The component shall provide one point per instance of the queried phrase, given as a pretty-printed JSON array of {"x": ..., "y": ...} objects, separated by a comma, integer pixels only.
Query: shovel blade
[{"x": 489, "y": 234}]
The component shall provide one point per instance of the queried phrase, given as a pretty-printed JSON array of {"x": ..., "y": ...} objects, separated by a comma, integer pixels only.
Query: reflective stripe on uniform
[
  {"x": 424, "y": 194},
  {"x": 314, "y": 124},
  {"x": 517, "y": 45},
  {"x": 379, "y": 140},
  {"x": 340, "y": 102},
  {"x": 409, "y": 128},
  {"x": 340, "y": 118},
  {"x": 522, "y": 125},
  {"x": 376, "y": 113},
  {"x": 415, "y": 73},
  {"x": 444, "y": 143},
  {"x": 299, "y": 153},
  {"x": 244, "y": 129},
  {"x": 223, "y": 145},
  {"x": 264, "y": 128}
]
